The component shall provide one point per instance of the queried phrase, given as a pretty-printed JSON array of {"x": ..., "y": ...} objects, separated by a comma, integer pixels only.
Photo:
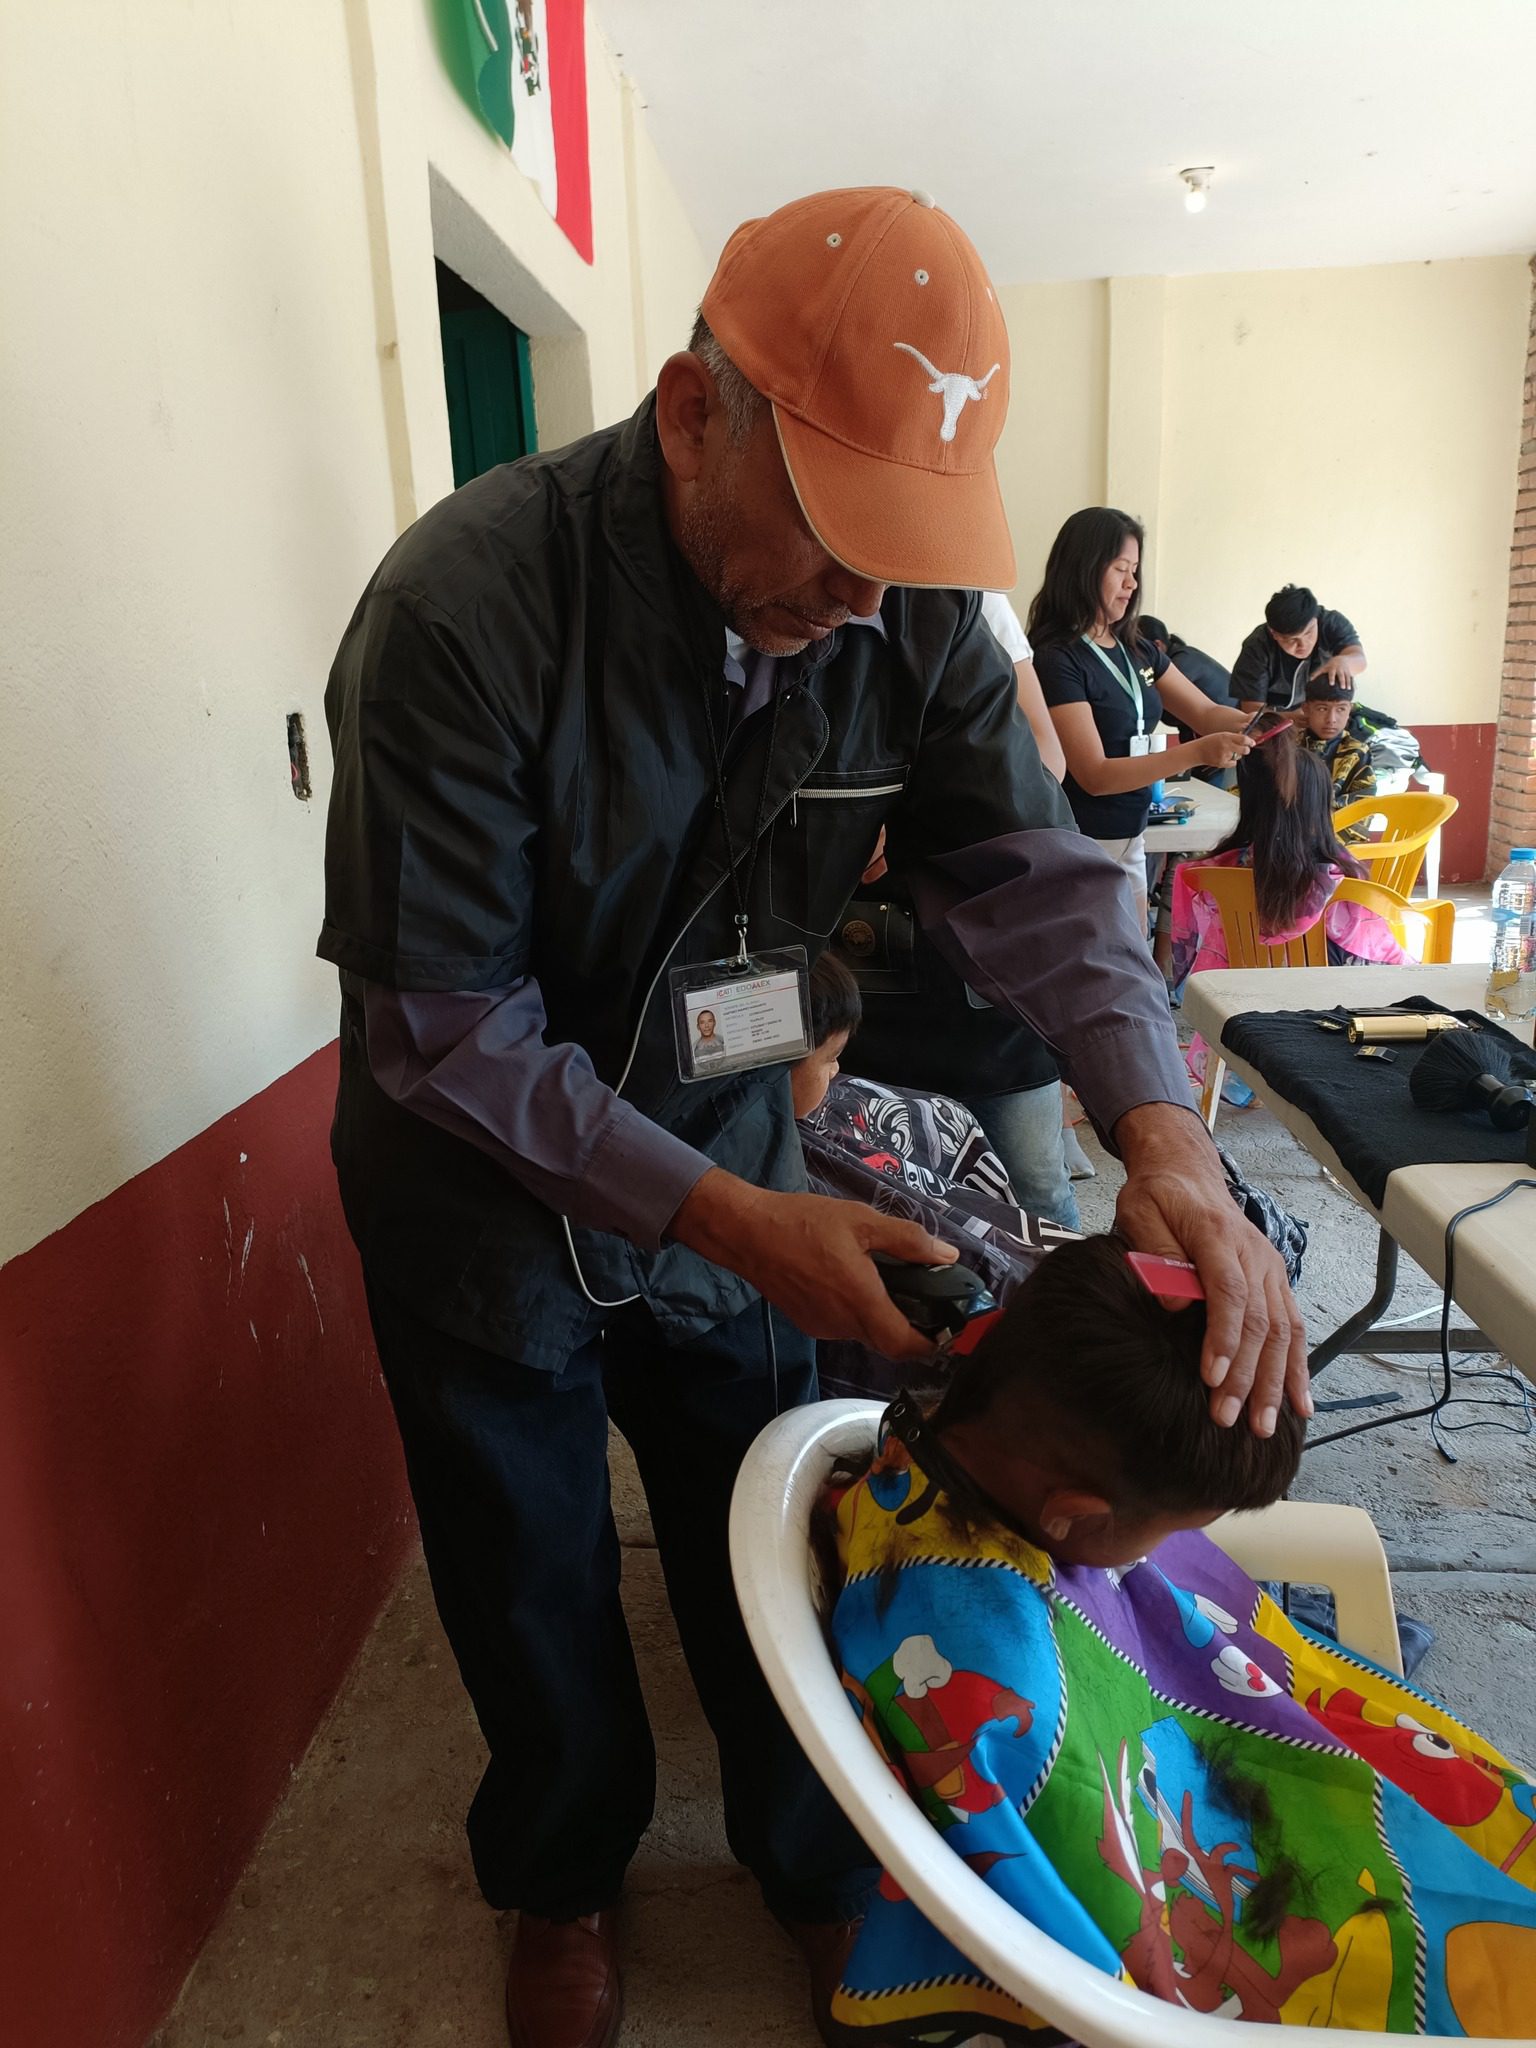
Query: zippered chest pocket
[{"x": 822, "y": 841}]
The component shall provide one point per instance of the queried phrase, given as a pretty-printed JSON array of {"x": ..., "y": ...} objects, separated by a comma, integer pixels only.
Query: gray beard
[{"x": 703, "y": 527}]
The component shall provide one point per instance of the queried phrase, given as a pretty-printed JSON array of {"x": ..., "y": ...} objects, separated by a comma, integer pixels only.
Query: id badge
[
  {"x": 1141, "y": 743},
  {"x": 728, "y": 1017}
]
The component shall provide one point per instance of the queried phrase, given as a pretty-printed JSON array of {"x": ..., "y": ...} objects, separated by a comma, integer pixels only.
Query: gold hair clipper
[{"x": 1377, "y": 1027}]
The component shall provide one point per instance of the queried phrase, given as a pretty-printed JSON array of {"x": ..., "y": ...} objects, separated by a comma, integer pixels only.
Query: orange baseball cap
[{"x": 866, "y": 318}]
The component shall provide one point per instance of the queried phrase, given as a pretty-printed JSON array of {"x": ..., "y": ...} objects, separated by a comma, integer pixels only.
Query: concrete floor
[{"x": 358, "y": 1925}]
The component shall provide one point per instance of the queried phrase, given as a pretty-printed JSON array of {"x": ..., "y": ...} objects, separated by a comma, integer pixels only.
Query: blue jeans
[{"x": 1025, "y": 1132}]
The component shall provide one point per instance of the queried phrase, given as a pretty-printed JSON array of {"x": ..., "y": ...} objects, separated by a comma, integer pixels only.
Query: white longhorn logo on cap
[{"x": 953, "y": 386}]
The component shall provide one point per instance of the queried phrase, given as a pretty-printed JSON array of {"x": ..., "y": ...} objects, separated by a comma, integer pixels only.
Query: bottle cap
[{"x": 1522, "y": 853}]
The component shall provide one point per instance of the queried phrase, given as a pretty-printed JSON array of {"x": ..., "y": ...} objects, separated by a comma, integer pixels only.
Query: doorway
[{"x": 487, "y": 378}]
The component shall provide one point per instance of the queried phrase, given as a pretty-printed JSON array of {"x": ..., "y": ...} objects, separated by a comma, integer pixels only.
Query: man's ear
[
  {"x": 1066, "y": 1510},
  {"x": 685, "y": 397}
]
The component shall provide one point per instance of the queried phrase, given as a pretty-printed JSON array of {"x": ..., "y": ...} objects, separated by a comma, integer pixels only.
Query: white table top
[
  {"x": 1214, "y": 816},
  {"x": 1495, "y": 1267}
]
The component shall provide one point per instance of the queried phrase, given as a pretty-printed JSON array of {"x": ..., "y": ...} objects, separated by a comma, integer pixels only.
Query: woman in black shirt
[{"x": 1106, "y": 687}]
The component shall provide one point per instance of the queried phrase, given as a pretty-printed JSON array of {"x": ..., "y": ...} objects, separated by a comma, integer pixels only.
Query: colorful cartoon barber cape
[{"x": 1163, "y": 1773}]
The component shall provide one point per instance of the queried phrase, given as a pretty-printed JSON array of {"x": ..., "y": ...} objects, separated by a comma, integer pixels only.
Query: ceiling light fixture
[{"x": 1197, "y": 187}]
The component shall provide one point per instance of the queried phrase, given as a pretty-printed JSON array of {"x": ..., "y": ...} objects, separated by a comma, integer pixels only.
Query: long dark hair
[
  {"x": 1285, "y": 814},
  {"x": 1067, "y": 603}
]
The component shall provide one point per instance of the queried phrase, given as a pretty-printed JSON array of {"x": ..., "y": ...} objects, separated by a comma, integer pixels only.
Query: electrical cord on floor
[
  {"x": 1503, "y": 1375},
  {"x": 1448, "y": 1375}
]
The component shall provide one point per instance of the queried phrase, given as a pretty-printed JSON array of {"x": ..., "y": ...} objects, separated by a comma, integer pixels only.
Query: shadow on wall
[{"x": 202, "y": 1506}]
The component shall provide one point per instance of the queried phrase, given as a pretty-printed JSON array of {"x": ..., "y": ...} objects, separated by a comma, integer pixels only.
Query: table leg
[
  {"x": 1362, "y": 1331},
  {"x": 1210, "y": 1091}
]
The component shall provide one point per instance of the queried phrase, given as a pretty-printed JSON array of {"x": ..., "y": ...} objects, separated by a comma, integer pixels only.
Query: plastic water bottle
[{"x": 1512, "y": 976}]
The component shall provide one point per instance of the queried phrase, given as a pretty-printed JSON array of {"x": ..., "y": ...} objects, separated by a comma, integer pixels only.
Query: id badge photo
[{"x": 731, "y": 1015}]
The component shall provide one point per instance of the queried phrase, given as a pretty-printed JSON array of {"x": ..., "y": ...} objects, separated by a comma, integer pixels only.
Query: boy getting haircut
[{"x": 1082, "y": 1414}]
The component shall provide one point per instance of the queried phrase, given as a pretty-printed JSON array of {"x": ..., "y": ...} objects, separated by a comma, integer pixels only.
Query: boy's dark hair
[
  {"x": 1291, "y": 610},
  {"x": 835, "y": 1001},
  {"x": 1323, "y": 689},
  {"x": 1083, "y": 1344}
]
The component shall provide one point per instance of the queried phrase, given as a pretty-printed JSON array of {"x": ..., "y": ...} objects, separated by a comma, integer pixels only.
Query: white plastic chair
[{"x": 771, "y": 1559}]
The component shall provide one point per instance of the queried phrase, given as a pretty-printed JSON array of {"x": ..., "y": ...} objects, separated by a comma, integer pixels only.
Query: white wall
[
  {"x": 1357, "y": 430},
  {"x": 196, "y": 474},
  {"x": 1051, "y": 457},
  {"x": 671, "y": 269},
  {"x": 222, "y": 392}
]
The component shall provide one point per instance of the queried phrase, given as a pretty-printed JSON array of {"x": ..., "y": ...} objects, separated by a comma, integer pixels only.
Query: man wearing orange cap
[{"x": 615, "y": 730}]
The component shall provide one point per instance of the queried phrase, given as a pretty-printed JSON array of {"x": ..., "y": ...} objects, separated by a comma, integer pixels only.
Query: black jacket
[
  {"x": 922, "y": 1028},
  {"x": 524, "y": 786},
  {"x": 1264, "y": 673}
]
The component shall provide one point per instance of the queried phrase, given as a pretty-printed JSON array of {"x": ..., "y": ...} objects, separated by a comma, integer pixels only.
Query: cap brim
[{"x": 895, "y": 524}]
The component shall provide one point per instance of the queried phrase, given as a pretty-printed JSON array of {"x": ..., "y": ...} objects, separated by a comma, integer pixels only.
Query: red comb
[{"x": 1171, "y": 1279}]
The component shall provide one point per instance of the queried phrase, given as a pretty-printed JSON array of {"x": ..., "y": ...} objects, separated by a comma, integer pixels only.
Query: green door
[{"x": 489, "y": 385}]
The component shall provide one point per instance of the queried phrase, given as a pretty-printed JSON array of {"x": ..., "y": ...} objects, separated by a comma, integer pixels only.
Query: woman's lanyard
[{"x": 1128, "y": 679}]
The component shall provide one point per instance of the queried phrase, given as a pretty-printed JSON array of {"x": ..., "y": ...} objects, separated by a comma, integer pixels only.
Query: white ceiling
[{"x": 1342, "y": 131}]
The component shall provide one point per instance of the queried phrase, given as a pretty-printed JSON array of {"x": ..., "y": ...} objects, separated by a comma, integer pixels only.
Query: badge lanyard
[
  {"x": 1128, "y": 679},
  {"x": 742, "y": 893},
  {"x": 752, "y": 1010}
]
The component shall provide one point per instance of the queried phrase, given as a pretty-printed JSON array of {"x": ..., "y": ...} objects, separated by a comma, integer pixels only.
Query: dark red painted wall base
[
  {"x": 1463, "y": 754},
  {"x": 202, "y": 1505}
]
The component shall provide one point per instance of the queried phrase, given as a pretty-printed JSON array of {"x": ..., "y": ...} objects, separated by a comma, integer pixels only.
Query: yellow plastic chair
[
  {"x": 1231, "y": 890},
  {"x": 1411, "y": 821},
  {"x": 1423, "y": 929}
]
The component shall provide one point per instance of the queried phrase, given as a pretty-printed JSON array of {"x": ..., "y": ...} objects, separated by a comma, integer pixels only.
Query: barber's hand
[
  {"x": 810, "y": 1256},
  {"x": 1221, "y": 749},
  {"x": 1175, "y": 1201},
  {"x": 1333, "y": 671}
]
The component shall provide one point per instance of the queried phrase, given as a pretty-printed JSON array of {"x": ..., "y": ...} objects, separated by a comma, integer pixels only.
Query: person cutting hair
[
  {"x": 615, "y": 729},
  {"x": 1106, "y": 687},
  {"x": 1299, "y": 638}
]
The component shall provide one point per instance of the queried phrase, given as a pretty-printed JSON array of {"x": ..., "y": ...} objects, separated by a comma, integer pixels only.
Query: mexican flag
[{"x": 522, "y": 66}]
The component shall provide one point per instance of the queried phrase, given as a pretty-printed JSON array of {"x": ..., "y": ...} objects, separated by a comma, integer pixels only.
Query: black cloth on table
[{"x": 1363, "y": 1107}]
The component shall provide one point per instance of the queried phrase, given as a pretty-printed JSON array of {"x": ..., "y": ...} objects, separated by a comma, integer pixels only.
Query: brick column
[{"x": 1513, "y": 818}]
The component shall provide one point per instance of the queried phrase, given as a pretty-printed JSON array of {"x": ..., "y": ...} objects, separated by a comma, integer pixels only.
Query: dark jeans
[{"x": 509, "y": 1469}]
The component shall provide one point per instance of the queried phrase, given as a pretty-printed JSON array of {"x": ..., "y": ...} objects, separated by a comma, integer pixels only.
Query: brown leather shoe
[
  {"x": 563, "y": 1982},
  {"x": 826, "y": 1946}
]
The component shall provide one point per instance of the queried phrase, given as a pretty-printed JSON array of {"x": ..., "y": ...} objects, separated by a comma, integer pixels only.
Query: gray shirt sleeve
[
  {"x": 1334, "y": 633},
  {"x": 476, "y": 1063},
  {"x": 1038, "y": 922}
]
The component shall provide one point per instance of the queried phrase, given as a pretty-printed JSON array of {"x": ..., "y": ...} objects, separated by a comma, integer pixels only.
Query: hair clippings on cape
[{"x": 1169, "y": 1279}]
